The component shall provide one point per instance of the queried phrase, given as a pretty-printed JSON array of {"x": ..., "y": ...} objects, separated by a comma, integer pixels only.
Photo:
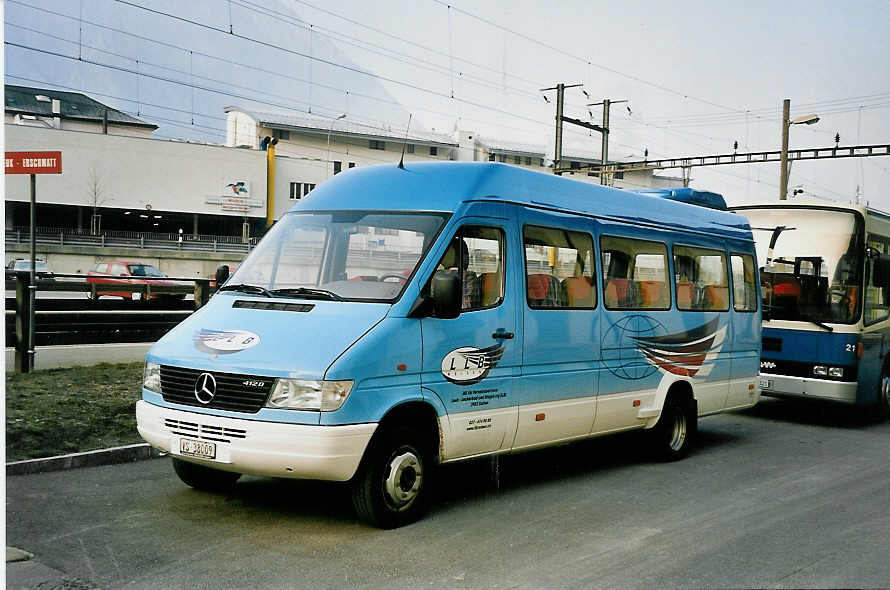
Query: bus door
[
  {"x": 470, "y": 361},
  {"x": 745, "y": 331},
  {"x": 560, "y": 346}
]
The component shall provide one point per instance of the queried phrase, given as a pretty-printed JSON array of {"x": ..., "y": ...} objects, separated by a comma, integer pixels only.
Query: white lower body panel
[
  {"x": 272, "y": 449},
  {"x": 786, "y": 386}
]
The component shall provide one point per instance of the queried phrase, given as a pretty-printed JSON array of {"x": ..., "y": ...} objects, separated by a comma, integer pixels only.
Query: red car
[{"x": 124, "y": 275}]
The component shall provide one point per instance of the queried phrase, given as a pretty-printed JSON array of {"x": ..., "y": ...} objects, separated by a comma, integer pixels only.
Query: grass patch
[{"x": 61, "y": 411}]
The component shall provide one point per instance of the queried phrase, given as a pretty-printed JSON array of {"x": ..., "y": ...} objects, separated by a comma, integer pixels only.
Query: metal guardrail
[
  {"x": 131, "y": 239},
  {"x": 156, "y": 310}
]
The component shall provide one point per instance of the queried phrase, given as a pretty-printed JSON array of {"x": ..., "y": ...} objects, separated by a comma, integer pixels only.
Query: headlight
[
  {"x": 151, "y": 377},
  {"x": 820, "y": 371},
  {"x": 836, "y": 372},
  {"x": 299, "y": 394}
]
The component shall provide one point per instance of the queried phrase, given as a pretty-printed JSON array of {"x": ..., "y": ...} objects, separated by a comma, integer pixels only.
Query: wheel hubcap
[
  {"x": 678, "y": 432},
  {"x": 404, "y": 480}
]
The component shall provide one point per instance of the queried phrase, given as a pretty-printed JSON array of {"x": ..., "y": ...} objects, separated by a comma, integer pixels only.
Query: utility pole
[
  {"x": 560, "y": 100},
  {"x": 607, "y": 104},
  {"x": 783, "y": 168}
]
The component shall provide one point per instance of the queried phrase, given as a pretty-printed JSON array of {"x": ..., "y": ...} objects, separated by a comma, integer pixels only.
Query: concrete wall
[{"x": 80, "y": 259}]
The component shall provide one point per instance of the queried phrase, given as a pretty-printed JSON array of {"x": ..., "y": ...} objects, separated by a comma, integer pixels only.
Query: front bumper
[
  {"x": 254, "y": 447},
  {"x": 804, "y": 387}
]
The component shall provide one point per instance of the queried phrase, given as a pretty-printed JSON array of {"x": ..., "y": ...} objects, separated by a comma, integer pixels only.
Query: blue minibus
[
  {"x": 825, "y": 273},
  {"x": 401, "y": 318}
]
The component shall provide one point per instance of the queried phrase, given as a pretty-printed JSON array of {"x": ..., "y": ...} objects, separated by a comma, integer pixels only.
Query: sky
[{"x": 698, "y": 75}]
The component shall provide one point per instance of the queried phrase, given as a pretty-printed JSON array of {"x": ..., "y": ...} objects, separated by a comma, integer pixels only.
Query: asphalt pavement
[{"x": 784, "y": 495}]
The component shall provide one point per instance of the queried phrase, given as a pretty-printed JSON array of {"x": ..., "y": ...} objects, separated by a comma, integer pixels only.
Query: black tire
[
  {"x": 204, "y": 478},
  {"x": 672, "y": 435},
  {"x": 882, "y": 405},
  {"x": 391, "y": 488}
]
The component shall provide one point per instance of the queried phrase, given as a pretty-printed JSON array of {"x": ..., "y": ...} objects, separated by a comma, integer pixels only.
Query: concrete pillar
[
  {"x": 466, "y": 146},
  {"x": 195, "y": 224}
]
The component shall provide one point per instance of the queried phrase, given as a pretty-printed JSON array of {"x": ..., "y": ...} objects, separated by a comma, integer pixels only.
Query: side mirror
[
  {"x": 880, "y": 276},
  {"x": 447, "y": 294},
  {"x": 222, "y": 274}
]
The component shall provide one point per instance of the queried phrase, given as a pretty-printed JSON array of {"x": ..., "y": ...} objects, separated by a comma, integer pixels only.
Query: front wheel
[
  {"x": 392, "y": 485},
  {"x": 204, "y": 478},
  {"x": 672, "y": 434}
]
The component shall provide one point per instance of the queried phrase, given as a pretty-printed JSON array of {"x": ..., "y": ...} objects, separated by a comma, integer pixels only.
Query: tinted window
[
  {"x": 744, "y": 296},
  {"x": 701, "y": 279},
  {"x": 634, "y": 274},
  {"x": 559, "y": 266}
]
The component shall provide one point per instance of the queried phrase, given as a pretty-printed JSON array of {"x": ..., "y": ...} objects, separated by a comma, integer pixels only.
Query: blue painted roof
[
  {"x": 443, "y": 186},
  {"x": 688, "y": 195}
]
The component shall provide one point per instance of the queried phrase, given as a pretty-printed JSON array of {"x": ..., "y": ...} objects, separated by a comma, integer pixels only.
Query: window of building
[
  {"x": 477, "y": 254},
  {"x": 308, "y": 188},
  {"x": 491, "y": 157},
  {"x": 575, "y": 165},
  {"x": 540, "y": 161},
  {"x": 528, "y": 160},
  {"x": 352, "y": 164},
  {"x": 434, "y": 151},
  {"x": 376, "y": 144},
  {"x": 744, "y": 296},
  {"x": 282, "y": 134},
  {"x": 338, "y": 167},
  {"x": 559, "y": 267},
  {"x": 701, "y": 281},
  {"x": 517, "y": 159},
  {"x": 409, "y": 148},
  {"x": 634, "y": 274},
  {"x": 502, "y": 158},
  {"x": 295, "y": 190}
]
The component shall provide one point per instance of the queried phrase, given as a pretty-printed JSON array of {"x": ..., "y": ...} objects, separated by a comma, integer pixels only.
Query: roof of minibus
[{"x": 443, "y": 186}]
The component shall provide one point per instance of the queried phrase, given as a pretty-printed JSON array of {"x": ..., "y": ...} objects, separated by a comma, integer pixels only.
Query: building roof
[
  {"x": 346, "y": 127},
  {"x": 444, "y": 186},
  {"x": 74, "y": 105}
]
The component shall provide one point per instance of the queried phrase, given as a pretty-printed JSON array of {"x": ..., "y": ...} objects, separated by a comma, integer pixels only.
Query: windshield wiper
[
  {"x": 818, "y": 323},
  {"x": 322, "y": 293},
  {"x": 252, "y": 289}
]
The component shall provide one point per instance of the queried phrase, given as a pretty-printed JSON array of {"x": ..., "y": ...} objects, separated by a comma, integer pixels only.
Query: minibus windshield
[
  {"x": 810, "y": 261},
  {"x": 339, "y": 255}
]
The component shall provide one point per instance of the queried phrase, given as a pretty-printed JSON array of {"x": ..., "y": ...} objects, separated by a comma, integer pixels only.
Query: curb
[{"x": 124, "y": 454}]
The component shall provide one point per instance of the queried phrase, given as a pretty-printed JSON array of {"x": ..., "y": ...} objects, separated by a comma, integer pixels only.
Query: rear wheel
[
  {"x": 391, "y": 488},
  {"x": 204, "y": 478},
  {"x": 672, "y": 434}
]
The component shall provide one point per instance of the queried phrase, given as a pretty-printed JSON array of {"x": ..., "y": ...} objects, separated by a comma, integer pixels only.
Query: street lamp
[
  {"x": 331, "y": 128},
  {"x": 786, "y": 124}
]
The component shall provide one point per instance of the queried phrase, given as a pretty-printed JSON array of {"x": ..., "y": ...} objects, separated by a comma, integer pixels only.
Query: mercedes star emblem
[{"x": 205, "y": 388}]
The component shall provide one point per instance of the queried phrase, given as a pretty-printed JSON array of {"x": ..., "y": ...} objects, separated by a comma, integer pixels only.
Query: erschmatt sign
[{"x": 33, "y": 162}]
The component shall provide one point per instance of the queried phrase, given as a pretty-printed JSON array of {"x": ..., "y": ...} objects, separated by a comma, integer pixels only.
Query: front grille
[
  {"x": 803, "y": 369},
  {"x": 232, "y": 393},
  {"x": 204, "y": 431}
]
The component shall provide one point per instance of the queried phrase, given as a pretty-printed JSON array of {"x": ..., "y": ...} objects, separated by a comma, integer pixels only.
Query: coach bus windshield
[
  {"x": 339, "y": 255},
  {"x": 810, "y": 261}
]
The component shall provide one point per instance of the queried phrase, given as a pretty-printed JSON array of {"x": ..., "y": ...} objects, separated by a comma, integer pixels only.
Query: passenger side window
[
  {"x": 477, "y": 254},
  {"x": 559, "y": 266},
  {"x": 744, "y": 297},
  {"x": 877, "y": 299},
  {"x": 634, "y": 274},
  {"x": 118, "y": 270},
  {"x": 701, "y": 282}
]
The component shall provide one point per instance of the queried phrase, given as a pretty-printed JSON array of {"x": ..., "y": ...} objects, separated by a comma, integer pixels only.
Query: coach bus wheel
[
  {"x": 391, "y": 488},
  {"x": 204, "y": 478},
  {"x": 884, "y": 394},
  {"x": 672, "y": 433}
]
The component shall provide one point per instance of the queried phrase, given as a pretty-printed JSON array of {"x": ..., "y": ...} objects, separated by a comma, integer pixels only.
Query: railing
[
  {"x": 149, "y": 312},
  {"x": 130, "y": 239}
]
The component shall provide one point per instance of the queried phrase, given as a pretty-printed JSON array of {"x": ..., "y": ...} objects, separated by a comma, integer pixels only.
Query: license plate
[
  {"x": 197, "y": 448},
  {"x": 766, "y": 384}
]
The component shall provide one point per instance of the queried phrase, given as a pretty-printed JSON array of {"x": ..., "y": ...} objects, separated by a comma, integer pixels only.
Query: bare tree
[{"x": 96, "y": 197}]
